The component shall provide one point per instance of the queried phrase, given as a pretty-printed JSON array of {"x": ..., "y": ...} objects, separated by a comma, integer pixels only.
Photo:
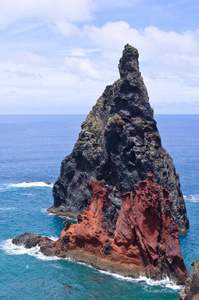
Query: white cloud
[
  {"x": 47, "y": 10},
  {"x": 150, "y": 40},
  {"x": 65, "y": 28},
  {"x": 82, "y": 67},
  {"x": 76, "y": 61},
  {"x": 30, "y": 83},
  {"x": 169, "y": 61},
  {"x": 113, "y": 4}
]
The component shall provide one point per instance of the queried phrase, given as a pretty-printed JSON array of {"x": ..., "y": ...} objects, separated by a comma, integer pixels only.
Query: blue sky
[{"x": 57, "y": 56}]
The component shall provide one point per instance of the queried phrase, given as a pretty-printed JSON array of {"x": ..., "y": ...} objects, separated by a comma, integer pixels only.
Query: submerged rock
[
  {"x": 191, "y": 289},
  {"x": 119, "y": 143},
  {"x": 142, "y": 240}
]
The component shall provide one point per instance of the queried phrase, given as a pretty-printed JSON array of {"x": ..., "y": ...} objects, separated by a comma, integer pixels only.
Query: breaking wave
[
  {"x": 166, "y": 282},
  {"x": 192, "y": 198},
  {"x": 12, "y": 249},
  {"x": 45, "y": 211},
  {"x": 32, "y": 184},
  {"x": 27, "y": 184}
]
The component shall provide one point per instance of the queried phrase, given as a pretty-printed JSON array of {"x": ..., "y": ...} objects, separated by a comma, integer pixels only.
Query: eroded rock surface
[
  {"x": 142, "y": 240},
  {"x": 191, "y": 289},
  {"x": 119, "y": 143}
]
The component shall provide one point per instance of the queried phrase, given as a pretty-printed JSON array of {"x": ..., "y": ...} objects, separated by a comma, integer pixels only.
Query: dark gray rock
[
  {"x": 119, "y": 143},
  {"x": 65, "y": 241},
  {"x": 109, "y": 219},
  {"x": 107, "y": 247},
  {"x": 79, "y": 219},
  {"x": 191, "y": 289},
  {"x": 29, "y": 240},
  {"x": 66, "y": 224}
]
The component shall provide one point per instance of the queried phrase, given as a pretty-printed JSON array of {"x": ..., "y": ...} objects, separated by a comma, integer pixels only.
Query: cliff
[
  {"x": 119, "y": 143},
  {"x": 142, "y": 240}
]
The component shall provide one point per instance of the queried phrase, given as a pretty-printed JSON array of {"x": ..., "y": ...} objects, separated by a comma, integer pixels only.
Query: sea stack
[{"x": 119, "y": 144}]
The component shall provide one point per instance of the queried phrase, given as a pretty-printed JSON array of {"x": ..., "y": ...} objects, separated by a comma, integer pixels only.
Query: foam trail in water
[
  {"x": 192, "y": 198},
  {"x": 164, "y": 282},
  {"x": 7, "y": 208},
  {"x": 32, "y": 184}
]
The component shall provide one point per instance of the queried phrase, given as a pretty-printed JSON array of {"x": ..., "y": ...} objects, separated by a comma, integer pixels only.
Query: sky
[{"x": 57, "y": 56}]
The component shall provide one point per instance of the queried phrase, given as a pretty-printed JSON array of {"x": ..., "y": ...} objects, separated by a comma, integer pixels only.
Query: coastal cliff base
[{"x": 141, "y": 241}]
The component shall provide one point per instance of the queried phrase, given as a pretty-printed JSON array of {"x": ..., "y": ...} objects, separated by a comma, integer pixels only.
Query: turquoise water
[{"x": 32, "y": 148}]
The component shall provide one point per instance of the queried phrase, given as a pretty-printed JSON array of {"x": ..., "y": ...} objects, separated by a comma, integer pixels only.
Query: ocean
[{"x": 31, "y": 149}]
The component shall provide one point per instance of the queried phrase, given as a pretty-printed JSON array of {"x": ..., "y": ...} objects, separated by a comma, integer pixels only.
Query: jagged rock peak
[
  {"x": 129, "y": 61},
  {"x": 119, "y": 143}
]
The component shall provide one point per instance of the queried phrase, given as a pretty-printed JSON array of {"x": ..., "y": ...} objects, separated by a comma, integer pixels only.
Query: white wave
[
  {"x": 44, "y": 210},
  {"x": 65, "y": 217},
  {"x": 7, "y": 208},
  {"x": 32, "y": 184},
  {"x": 164, "y": 282},
  {"x": 192, "y": 198},
  {"x": 54, "y": 238},
  {"x": 12, "y": 249}
]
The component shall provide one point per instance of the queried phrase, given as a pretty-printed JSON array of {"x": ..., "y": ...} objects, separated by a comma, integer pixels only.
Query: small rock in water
[{"x": 29, "y": 240}]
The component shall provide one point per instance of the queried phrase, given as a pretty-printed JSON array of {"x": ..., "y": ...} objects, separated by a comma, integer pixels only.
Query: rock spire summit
[{"x": 129, "y": 61}]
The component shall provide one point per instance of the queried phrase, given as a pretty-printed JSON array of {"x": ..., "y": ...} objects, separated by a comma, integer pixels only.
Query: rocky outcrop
[
  {"x": 119, "y": 143},
  {"x": 30, "y": 240},
  {"x": 191, "y": 289},
  {"x": 142, "y": 240}
]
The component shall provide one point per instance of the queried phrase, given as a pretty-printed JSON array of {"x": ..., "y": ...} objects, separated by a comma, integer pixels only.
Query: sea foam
[
  {"x": 45, "y": 211},
  {"x": 166, "y": 282},
  {"x": 28, "y": 184},
  {"x": 12, "y": 249},
  {"x": 192, "y": 198},
  {"x": 7, "y": 208}
]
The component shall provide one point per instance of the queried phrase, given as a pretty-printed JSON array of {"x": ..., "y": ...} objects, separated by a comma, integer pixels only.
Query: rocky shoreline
[
  {"x": 142, "y": 240},
  {"x": 61, "y": 212}
]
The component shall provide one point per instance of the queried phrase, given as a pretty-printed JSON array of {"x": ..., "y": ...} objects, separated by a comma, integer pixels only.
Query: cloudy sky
[{"x": 57, "y": 56}]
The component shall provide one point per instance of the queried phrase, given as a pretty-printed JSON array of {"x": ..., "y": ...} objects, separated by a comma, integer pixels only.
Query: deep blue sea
[{"x": 31, "y": 149}]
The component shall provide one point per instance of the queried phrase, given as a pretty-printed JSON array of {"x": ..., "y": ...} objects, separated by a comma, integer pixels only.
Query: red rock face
[
  {"x": 144, "y": 240},
  {"x": 145, "y": 222}
]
